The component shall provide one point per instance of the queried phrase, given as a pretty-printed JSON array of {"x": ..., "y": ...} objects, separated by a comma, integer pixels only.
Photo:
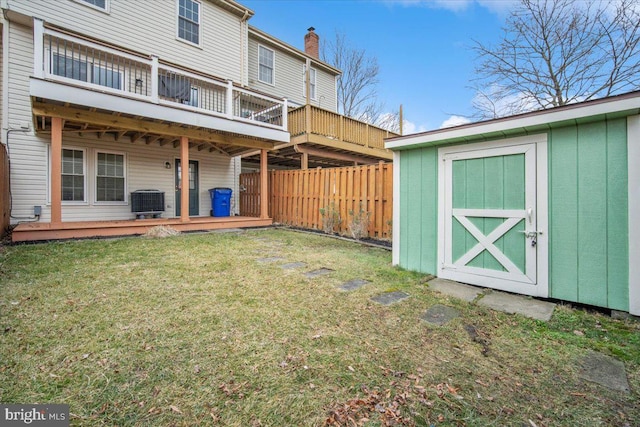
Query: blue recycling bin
[{"x": 220, "y": 201}]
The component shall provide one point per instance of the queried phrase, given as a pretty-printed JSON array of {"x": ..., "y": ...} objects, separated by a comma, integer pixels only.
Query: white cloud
[
  {"x": 410, "y": 127},
  {"x": 454, "y": 121}
]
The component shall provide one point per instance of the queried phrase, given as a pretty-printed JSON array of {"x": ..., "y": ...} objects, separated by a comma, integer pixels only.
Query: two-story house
[{"x": 104, "y": 98}]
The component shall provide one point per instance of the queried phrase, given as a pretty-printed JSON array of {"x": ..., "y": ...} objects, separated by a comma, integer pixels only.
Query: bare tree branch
[
  {"x": 357, "y": 86},
  {"x": 557, "y": 52}
]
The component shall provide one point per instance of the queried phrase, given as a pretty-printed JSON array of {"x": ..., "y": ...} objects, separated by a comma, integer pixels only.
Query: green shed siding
[
  {"x": 419, "y": 207},
  {"x": 588, "y": 253},
  {"x": 588, "y": 212}
]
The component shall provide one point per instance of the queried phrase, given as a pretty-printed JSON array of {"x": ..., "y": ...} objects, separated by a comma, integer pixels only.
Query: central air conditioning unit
[{"x": 147, "y": 202}]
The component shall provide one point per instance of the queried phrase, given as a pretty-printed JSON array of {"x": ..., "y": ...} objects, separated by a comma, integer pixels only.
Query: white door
[{"x": 493, "y": 215}]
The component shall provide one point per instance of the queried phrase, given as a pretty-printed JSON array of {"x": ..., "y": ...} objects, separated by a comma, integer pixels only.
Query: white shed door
[{"x": 489, "y": 212}]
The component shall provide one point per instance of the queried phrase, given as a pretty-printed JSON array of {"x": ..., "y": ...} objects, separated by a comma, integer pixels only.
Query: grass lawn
[{"x": 193, "y": 330}]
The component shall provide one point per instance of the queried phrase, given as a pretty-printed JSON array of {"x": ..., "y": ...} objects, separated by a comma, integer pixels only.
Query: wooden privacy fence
[
  {"x": 299, "y": 197},
  {"x": 4, "y": 190}
]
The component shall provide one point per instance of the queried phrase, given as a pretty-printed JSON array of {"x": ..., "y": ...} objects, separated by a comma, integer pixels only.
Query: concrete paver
[
  {"x": 317, "y": 273},
  {"x": 458, "y": 290},
  {"x": 518, "y": 304},
  {"x": 354, "y": 284},
  {"x": 440, "y": 314},
  {"x": 389, "y": 298},
  {"x": 292, "y": 265},
  {"x": 604, "y": 370}
]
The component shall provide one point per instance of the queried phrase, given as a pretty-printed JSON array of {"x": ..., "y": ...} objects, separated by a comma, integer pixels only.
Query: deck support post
[
  {"x": 304, "y": 161},
  {"x": 184, "y": 179},
  {"x": 56, "y": 170},
  {"x": 264, "y": 186}
]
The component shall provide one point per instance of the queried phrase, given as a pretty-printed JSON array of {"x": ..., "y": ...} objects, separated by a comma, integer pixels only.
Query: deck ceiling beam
[
  {"x": 316, "y": 152},
  {"x": 147, "y": 127},
  {"x": 381, "y": 154}
]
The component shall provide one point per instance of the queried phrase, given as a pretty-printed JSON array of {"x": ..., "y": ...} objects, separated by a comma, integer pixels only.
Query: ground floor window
[
  {"x": 73, "y": 175},
  {"x": 110, "y": 177}
]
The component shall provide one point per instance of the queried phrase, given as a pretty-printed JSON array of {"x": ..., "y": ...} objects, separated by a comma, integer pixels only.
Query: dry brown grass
[{"x": 195, "y": 330}]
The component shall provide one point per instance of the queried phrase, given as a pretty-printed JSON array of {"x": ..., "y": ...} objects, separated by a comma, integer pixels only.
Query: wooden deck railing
[
  {"x": 298, "y": 197},
  {"x": 315, "y": 120}
]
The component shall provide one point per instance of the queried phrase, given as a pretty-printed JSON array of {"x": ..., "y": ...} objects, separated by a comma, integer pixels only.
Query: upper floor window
[
  {"x": 98, "y": 4},
  {"x": 312, "y": 82},
  {"x": 189, "y": 21},
  {"x": 266, "y": 65}
]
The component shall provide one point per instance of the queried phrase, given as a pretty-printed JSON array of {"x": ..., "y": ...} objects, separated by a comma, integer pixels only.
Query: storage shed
[{"x": 544, "y": 203}]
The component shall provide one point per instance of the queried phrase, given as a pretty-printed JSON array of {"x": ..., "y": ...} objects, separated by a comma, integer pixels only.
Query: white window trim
[
  {"x": 304, "y": 82},
  {"x": 84, "y": 202},
  {"x": 200, "y": 20},
  {"x": 107, "y": 6},
  {"x": 94, "y": 175},
  {"x": 273, "y": 67}
]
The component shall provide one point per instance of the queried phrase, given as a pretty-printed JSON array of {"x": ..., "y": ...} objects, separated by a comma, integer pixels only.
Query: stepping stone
[
  {"x": 354, "y": 284},
  {"x": 440, "y": 314},
  {"x": 292, "y": 265},
  {"x": 317, "y": 273},
  {"x": 604, "y": 370},
  {"x": 518, "y": 304},
  {"x": 389, "y": 298},
  {"x": 270, "y": 259},
  {"x": 454, "y": 289}
]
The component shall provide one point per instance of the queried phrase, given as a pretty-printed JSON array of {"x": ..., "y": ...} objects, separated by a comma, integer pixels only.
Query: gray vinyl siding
[
  {"x": 326, "y": 87},
  {"x": 149, "y": 27},
  {"x": 289, "y": 77},
  {"x": 29, "y": 154},
  {"x": 26, "y": 151}
]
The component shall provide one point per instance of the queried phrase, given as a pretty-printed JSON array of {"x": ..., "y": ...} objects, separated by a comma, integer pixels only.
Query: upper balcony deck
[{"x": 87, "y": 82}]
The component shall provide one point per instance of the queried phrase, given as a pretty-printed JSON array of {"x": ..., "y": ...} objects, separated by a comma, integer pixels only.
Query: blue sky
[{"x": 422, "y": 46}]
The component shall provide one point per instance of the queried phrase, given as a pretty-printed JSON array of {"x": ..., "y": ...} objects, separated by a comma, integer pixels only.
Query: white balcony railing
[{"x": 70, "y": 59}]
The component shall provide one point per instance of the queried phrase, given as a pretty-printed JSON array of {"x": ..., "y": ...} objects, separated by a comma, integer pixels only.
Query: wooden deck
[
  {"x": 322, "y": 138},
  {"x": 39, "y": 231}
]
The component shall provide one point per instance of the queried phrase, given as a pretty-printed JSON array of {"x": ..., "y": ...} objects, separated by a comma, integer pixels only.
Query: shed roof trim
[{"x": 629, "y": 102}]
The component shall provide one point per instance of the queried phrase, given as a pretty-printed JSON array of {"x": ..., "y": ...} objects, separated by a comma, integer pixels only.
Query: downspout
[
  {"x": 244, "y": 46},
  {"x": 5, "y": 75}
]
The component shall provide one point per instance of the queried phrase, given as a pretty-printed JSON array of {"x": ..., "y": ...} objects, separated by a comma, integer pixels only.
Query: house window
[
  {"x": 82, "y": 70},
  {"x": 312, "y": 82},
  {"x": 73, "y": 182},
  {"x": 266, "y": 65},
  {"x": 189, "y": 21},
  {"x": 110, "y": 177},
  {"x": 106, "y": 77},
  {"x": 98, "y": 4}
]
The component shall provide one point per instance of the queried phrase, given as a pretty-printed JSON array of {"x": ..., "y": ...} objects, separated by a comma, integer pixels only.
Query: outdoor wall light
[
  {"x": 167, "y": 165},
  {"x": 139, "y": 82}
]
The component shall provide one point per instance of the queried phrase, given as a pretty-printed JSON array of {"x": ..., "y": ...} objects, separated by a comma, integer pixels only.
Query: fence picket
[{"x": 296, "y": 196}]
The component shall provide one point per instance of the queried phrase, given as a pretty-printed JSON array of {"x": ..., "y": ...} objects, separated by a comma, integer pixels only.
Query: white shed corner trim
[
  {"x": 395, "y": 239},
  {"x": 633, "y": 159}
]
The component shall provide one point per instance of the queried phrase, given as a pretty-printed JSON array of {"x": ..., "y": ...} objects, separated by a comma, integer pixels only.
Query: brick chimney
[{"x": 312, "y": 43}]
